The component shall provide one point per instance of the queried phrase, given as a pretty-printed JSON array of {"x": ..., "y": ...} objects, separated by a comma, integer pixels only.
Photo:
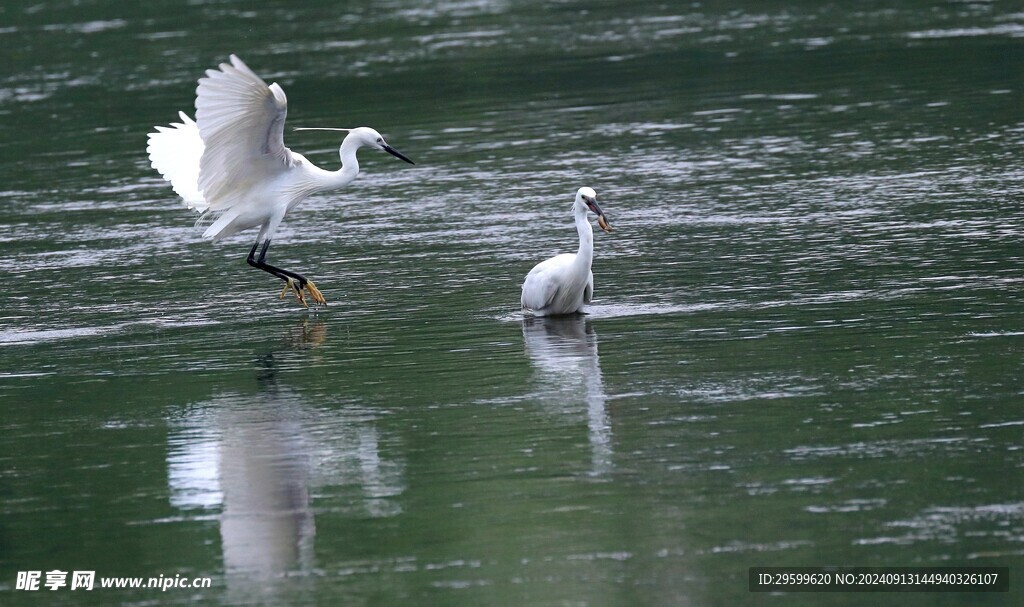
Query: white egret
[
  {"x": 562, "y": 284},
  {"x": 232, "y": 162}
]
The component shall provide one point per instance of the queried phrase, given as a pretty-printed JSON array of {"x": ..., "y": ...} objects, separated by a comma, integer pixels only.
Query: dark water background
[{"x": 805, "y": 346}]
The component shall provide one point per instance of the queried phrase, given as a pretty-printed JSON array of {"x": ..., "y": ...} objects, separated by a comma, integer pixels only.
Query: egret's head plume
[{"x": 320, "y": 128}]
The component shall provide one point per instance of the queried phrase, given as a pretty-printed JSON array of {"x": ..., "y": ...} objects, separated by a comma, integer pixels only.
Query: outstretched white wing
[
  {"x": 175, "y": 152},
  {"x": 241, "y": 122}
]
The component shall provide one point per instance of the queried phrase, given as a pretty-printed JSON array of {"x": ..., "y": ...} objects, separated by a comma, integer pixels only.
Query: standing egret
[
  {"x": 231, "y": 161},
  {"x": 562, "y": 284}
]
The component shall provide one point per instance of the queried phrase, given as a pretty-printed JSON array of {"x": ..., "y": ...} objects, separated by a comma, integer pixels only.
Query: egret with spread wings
[
  {"x": 562, "y": 284},
  {"x": 231, "y": 162}
]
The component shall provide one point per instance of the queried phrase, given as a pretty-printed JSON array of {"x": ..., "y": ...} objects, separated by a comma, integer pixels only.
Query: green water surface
[{"x": 805, "y": 346}]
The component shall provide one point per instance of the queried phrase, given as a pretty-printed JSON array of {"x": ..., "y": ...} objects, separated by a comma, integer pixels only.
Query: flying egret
[
  {"x": 231, "y": 162},
  {"x": 562, "y": 284}
]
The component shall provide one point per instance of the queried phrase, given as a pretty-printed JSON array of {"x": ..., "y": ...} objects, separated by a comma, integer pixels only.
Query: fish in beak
[{"x": 602, "y": 221}]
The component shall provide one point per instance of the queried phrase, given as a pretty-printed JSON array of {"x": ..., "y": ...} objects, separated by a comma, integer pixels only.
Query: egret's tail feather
[
  {"x": 224, "y": 225},
  {"x": 203, "y": 217}
]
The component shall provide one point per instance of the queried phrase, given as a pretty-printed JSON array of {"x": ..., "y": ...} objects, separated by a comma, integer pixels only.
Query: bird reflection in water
[
  {"x": 256, "y": 457},
  {"x": 248, "y": 456},
  {"x": 267, "y": 525},
  {"x": 563, "y": 352}
]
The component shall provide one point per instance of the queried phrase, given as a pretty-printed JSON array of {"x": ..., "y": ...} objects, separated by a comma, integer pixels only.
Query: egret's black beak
[
  {"x": 396, "y": 153},
  {"x": 596, "y": 208}
]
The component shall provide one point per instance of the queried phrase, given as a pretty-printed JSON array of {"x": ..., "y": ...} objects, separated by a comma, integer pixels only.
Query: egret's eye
[{"x": 380, "y": 140}]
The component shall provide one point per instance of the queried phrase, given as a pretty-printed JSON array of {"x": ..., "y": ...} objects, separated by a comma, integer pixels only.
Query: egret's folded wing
[
  {"x": 540, "y": 287},
  {"x": 241, "y": 121}
]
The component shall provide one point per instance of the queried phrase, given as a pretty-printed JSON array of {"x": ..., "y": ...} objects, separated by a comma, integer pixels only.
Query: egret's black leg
[
  {"x": 261, "y": 263},
  {"x": 296, "y": 281}
]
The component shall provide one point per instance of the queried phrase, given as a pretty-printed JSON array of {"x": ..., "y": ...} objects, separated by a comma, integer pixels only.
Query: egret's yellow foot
[
  {"x": 297, "y": 290},
  {"x": 315, "y": 293},
  {"x": 293, "y": 284}
]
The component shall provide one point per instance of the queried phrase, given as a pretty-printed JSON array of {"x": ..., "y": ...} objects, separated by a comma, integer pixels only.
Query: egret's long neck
[
  {"x": 331, "y": 180},
  {"x": 349, "y": 163},
  {"x": 585, "y": 255}
]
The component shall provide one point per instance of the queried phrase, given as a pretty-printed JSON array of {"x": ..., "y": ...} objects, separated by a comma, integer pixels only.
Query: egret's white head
[
  {"x": 372, "y": 139},
  {"x": 586, "y": 198}
]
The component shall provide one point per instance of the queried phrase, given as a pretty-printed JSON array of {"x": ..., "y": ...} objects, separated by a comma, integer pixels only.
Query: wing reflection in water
[
  {"x": 256, "y": 458},
  {"x": 563, "y": 351}
]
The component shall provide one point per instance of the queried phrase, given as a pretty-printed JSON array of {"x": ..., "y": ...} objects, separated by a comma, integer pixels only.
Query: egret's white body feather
[{"x": 560, "y": 285}]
